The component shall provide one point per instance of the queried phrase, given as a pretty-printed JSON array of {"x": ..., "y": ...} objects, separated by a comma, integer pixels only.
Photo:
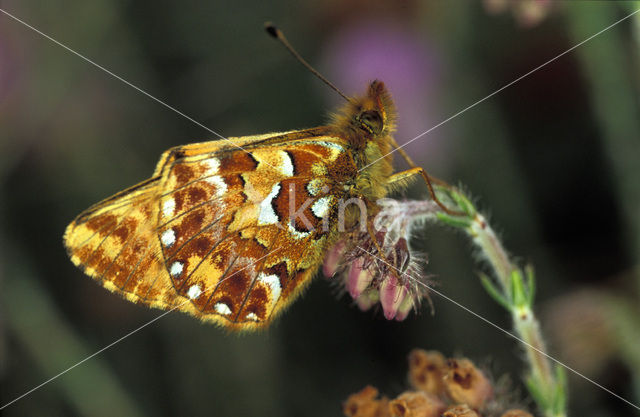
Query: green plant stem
[
  {"x": 485, "y": 238},
  {"x": 513, "y": 288},
  {"x": 525, "y": 323}
]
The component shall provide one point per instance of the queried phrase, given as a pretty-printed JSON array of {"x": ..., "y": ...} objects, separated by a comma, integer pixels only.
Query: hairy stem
[
  {"x": 513, "y": 288},
  {"x": 524, "y": 320},
  {"x": 485, "y": 238}
]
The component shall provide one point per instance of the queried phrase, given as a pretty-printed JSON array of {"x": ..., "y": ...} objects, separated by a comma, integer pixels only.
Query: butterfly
[{"x": 232, "y": 231}]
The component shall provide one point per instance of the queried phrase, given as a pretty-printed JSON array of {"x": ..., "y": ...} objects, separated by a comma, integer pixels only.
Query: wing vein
[
  {"x": 255, "y": 278},
  {"x": 118, "y": 223}
]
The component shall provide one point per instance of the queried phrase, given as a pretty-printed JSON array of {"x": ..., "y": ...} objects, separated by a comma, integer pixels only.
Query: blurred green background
[{"x": 554, "y": 159}]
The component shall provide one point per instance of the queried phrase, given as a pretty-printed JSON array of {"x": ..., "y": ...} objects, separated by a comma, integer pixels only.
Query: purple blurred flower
[{"x": 363, "y": 52}]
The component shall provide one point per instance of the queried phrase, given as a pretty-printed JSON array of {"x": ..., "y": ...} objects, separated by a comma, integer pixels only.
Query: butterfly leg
[
  {"x": 412, "y": 164},
  {"x": 381, "y": 255},
  {"x": 402, "y": 152},
  {"x": 403, "y": 175},
  {"x": 374, "y": 238}
]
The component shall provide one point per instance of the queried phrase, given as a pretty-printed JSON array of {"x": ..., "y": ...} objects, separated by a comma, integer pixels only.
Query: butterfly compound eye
[{"x": 370, "y": 121}]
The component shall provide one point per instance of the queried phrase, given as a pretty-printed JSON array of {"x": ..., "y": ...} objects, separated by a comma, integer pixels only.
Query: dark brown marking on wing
[
  {"x": 187, "y": 241},
  {"x": 142, "y": 249},
  {"x": 100, "y": 222},
  {"x": 220, "y": 260},
  {"x": 238, "y": 162},
  {"x": 183, "y": 173},
  {"x": 126, "y": 228},
  {"x": 251, "y": 286},
  {"x": 296, "y": 199},
  {"x": 98, "y": 252},
  {"x": 257, "y": 303},
  {"x": 258, "y": 300}
]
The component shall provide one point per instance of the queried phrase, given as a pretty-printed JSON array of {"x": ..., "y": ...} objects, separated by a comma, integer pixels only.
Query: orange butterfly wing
[{"x": 212, "y": 233}]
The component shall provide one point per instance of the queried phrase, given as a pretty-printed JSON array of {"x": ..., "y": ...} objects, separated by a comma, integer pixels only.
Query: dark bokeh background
[{"x": 554, "y": 159}]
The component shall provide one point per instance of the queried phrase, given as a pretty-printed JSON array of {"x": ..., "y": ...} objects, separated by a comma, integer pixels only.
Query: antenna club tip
[{"x": 271, "y": 29}]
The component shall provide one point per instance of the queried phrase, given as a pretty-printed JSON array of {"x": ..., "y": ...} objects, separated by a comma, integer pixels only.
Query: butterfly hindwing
[{"x": 114, "y": 242}]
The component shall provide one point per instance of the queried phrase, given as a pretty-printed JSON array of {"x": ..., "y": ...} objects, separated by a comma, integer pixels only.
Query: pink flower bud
[
  {"x": 358, "y": 279},
  {"x": 368, "y": 299},
  {"x": 332, "y": 259},
  {"x": 405, "y": 307},
  {"x": 392, "y": 294}
]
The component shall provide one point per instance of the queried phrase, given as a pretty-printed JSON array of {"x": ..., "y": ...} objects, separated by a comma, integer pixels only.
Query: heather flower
[
  {"x": 464, "y": 383},
  {"x": 332, "y": 259},
  {"x": 426, "y": 370},
  {"x": 359, "y": 278},
  {"x": 416, "y": 404},
  {"x": 461, "y": 410},
  {"x": 383, "y": 269},
  {"x": 366, "y": 403},
  {"x": 440, "y": 387},
  {"x": 513, "y": 287}
]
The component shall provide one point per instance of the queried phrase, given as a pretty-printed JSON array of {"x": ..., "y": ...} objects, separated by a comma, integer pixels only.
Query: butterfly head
[
  {"x": 368, "y": 117},
  {"x": 374, "y": 113}
]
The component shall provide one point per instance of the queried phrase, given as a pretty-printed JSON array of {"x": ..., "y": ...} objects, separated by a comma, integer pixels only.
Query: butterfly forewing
[{"x": 230, "y": 235}]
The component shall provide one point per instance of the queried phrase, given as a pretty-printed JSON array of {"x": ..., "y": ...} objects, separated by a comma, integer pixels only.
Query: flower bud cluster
[
  {"x": 440, "y": 387},
  {"x": 379, "y": 267}
]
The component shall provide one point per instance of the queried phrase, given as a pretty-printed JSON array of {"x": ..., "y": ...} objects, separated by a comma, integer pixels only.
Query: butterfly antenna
[{"x": 277, "y": 33}]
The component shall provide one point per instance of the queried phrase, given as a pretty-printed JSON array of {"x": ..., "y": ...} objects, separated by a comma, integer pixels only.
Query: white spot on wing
[
  {"x": 212, "y": 165},
  {"x": 267, "y": 215},
  {"x": 321, "y": 207},
  {"x": 252, "y": 316},
  {"x": 168, "y": 238},
  {"x": 274, "y": 284},
  {"x": 176, "y": 268},
  {"x": 169, "y": 207},
  {"x": 314, "y": 186},
  {"x": 287, "y": 164},
  {"x": 330, "y": 145},
  {"x": 194, "y": 291},
  {"x": 296, "y": 233},
  {"x": 221, "y": 186},
  {"x": 222, "y": 308}
]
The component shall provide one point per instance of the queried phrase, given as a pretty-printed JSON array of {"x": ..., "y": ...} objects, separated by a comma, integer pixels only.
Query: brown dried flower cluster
[{"x": 439, "y": 387}]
